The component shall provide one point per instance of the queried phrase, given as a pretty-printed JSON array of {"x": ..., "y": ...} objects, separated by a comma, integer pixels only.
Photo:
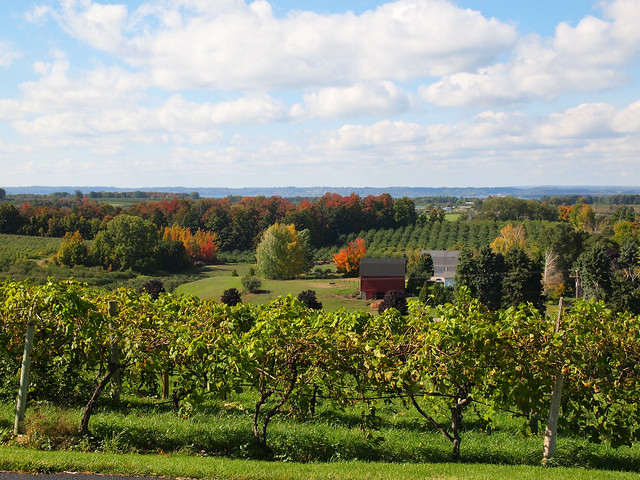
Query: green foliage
[
  {"x": 251, "y": 283},
  {"x": 281, "y": 253},
  {"x": 73, "y": 250},
  {"x": 419, "y": 273},
  {"x": 404, "y": 211},
  {"x": 594, "y": 269},
  {"x": 522, "y": 282},
  {"x": 10, "y": 219},
  {"x": 511, "y": 208},
  {"x": 127, "y": 242},
  {"x": 444, "y": 364}
]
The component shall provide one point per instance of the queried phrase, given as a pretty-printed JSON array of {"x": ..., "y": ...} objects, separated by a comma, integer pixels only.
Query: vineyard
[
  {"x": 445, "y": 365},
  {"x": 16, "y": 247}
]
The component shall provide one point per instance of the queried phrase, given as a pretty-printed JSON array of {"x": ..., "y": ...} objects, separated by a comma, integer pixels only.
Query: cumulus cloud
[
  {"x": 590, "y": 56},
  {"x": 374, "y": 98},
  {"x": 230, "y": 44}
]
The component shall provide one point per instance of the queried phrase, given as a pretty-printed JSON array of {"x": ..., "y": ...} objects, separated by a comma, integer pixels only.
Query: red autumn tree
[
  {"x": 348, "y": 259},
  {"x": 201, "y": 245}
]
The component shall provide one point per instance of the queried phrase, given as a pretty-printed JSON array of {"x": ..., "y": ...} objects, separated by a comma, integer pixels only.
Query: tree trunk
[
  {"x": 88, "y": 410},
  {"x": 165, "y": 384}
]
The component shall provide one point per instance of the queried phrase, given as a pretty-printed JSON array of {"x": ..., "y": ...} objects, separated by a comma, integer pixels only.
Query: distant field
[
  {"x": 333, "y": 293},
  {"x": 17, "y": 247}
]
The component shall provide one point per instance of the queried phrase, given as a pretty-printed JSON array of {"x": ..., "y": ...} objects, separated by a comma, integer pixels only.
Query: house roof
[
  {"x": 447, "y": 258},
  {"x": 383, "y": 267}
]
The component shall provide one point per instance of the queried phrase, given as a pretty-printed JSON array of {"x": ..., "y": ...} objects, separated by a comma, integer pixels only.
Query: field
[
  {"x": 334, "y": 293},
  {"x": 16, "y": 247}
]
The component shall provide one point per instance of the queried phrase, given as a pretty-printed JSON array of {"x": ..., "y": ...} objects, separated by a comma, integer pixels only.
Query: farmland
[{"x": 335, "y": 292}]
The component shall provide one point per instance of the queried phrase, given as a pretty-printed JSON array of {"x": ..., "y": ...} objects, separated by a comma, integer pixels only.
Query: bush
[
  {"x": 250, "y": 282},
  {"x": 308, "y": 297},
  {"x": 231, "y": 297},
  {"x": 154, "y": 288},
  {"x": 394, "y": 299}
]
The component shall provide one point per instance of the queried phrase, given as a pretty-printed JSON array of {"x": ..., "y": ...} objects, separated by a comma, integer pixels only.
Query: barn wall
[{"x": 378, "y": 286}]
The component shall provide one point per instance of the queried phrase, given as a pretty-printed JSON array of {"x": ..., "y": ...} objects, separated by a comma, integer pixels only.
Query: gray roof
[
  {"x": 444, "y": 262},
  {"x": 383, "y": 267},
  {"x": 443, "y": 257}
]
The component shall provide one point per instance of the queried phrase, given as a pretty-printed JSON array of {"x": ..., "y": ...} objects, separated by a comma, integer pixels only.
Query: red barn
[{"x": 379, "y": 275}]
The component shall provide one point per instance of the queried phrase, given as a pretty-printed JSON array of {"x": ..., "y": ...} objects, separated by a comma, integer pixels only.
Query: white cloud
[
  {"x": 233, "y": 45},
  {"x": 56, "y": 92},
  {"x": 378, "y": 98},
  {"x": 588, "y": 57}
]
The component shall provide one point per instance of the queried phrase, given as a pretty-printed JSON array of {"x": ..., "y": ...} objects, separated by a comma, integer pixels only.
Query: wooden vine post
[
  {"x": 554, "y": 410},
  {"x": 21, "y": 404},
  {"x": 115, "y": 357}
]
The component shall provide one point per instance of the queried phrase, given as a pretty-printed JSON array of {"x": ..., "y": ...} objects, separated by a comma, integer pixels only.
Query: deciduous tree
[
  {"x": 280, "y": 254},
  {"x": 348, "y": 259},
  {"x": 127, "y": 242}
]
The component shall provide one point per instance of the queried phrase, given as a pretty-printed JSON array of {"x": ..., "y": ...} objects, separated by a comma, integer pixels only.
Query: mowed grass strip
[
  {"x": 183, "y": 466},
  {"x": 334, "y": 293}
]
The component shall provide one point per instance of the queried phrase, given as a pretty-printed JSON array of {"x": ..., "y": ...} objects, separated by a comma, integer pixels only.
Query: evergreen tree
[
  {"x": 488, "y": 277},
  {"x": 522, "y": 281},
  {"x": 466, "y": 271},
  {"x": 594, "y": 270}
]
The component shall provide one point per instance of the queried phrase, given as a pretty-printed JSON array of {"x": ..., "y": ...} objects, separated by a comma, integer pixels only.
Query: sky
[{"x": 351, "y": 93}]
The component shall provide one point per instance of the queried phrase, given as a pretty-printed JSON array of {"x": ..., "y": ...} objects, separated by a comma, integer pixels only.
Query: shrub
[
  {"x": 394, "y": 299},
  {"x": 308, "y": 297},
  {"x": 231, "y": 297},
  {"x": 154, "y": 288},
  {"x": 250, "y": 282}
]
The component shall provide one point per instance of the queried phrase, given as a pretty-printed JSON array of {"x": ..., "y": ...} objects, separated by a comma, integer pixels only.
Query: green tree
[
  {"x": 404, "y": 211},
  {"x": 489, "y": 274},
  {"x": 10, "y": 219},
  {"x": 2, "y": 193},
  {"x": 127, "y": 242},
  {"x": 594, "y": 271},
  {"x": 73, "y": 250},
  {"x": 280, "y": 254},
  {"x": 522, "y": 281},
  {"x": 419, "y": 273},
  {"x": 466, "y": 272}
]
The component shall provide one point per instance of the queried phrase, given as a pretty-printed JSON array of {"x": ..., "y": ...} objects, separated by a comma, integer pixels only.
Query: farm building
[
  {"x": 379, "y": 275},
  {"x": 444, "y": 265}
]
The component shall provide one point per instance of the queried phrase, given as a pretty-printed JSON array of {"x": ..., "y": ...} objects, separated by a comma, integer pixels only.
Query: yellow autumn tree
[{"x": 509, "y": 237}]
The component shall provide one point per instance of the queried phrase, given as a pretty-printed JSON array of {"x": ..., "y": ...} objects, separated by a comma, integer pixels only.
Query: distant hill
[{"x": 289, "y": 192}]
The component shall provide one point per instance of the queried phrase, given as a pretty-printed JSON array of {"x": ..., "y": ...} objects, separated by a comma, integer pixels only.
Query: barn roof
[{"x": 383, "y": 267}]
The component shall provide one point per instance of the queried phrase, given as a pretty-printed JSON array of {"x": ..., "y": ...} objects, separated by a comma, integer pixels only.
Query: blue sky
[{"x": 229, "y": 93}]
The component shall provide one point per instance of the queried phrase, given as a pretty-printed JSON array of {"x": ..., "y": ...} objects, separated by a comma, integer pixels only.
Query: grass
[
  {"x": 334, "y": 293},
  {"x": 223, "y": 429},
  {"x": 146, "y": 438},
  {"x": 183, "y": 466}
]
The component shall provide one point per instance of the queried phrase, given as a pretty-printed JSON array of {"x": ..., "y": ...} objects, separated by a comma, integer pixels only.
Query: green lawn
[
  {"x": 182, "y": 466},
  {"x": 334, "y": 293}
]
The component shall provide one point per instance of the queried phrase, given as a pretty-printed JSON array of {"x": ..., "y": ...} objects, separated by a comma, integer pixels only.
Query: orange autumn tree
[
  {"x": 202, "y": 245},
  {"x": 348, "y": 259}
]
